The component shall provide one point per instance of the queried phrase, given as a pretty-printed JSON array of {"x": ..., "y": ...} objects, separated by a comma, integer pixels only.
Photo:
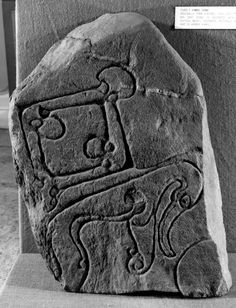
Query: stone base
[{"x": 31, "y": 285}]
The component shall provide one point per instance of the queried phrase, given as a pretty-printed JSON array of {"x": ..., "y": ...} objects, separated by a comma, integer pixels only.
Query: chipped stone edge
[{"x": 213, "y": 202}]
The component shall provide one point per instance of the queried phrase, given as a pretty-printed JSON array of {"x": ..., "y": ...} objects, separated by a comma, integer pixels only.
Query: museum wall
[{"x": 211, "y": 54}]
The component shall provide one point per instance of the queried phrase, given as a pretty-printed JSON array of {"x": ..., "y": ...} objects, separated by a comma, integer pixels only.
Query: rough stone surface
[{"x": 115, "y": 164}]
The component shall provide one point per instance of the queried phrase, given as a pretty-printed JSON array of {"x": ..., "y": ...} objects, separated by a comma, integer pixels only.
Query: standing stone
[{"x": 114, "y": 162}]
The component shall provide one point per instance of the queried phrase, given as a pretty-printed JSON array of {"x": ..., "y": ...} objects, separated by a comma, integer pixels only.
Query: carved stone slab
[{"x": 114, "y": 161}]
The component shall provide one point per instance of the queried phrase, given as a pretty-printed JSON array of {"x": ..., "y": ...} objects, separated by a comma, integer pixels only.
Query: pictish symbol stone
[{"x": 115, "y": 164}]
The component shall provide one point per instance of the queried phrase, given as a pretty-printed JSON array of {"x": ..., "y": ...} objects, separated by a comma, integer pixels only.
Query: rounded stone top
[{"x": 128, "y": 39}]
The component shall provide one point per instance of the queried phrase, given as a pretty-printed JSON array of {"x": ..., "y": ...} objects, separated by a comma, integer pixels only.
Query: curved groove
[
  {"x": 180, "y": 214},
  {"x": 63, "y": 126},
  {"x": 42, "y": 158},
  {"x": 53, "y": 261},
  {"x": 166, "y": 246},
  {"x": 81, "y": 248},
  {"x": 43, "y": 161},
  {"x": 97, "y": 102},
  {"x": 194, "y": 165},
  {"x": 129, "y": 160},
  {"x": 125, "y": 69},
  {"x": 87, "y": 219},
  {"x": 200, "y": 194},
  {"x": 64, "y": 186},
  {"x": 43, "y": 112},
  {"x": 106, "y": 134},
  {"x": 58, "y": 97},
  {"x": 135, "y": 256},
  {"x": 24, "y": 136},
  {"x": 167, "y": 251},
  {"x": 84, "y": 196},
  {"x": 154, "y": 216},
  {"x": 182, "y": 255}
]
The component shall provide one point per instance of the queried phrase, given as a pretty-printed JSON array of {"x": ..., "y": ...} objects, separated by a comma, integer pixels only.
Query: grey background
[{"x": 211, "y": 54}]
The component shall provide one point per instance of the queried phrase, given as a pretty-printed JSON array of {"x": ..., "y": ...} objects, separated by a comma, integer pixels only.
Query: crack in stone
[{"x": 163, "y": 92}]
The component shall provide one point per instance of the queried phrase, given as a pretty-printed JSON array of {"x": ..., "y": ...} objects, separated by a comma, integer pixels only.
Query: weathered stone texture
[{"x": 114, "y": 161}]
